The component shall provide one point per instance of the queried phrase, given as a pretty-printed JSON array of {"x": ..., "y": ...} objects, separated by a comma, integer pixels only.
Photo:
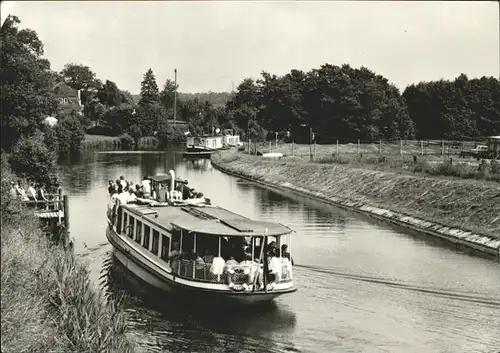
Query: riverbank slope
[
  {"x": 465, "y": 212},
  {"x": 48, "y": 303}
]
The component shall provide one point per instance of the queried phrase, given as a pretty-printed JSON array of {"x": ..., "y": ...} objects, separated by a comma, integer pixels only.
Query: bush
[
  {"x": 495, "y": 166},
  {"x": 50, "y": 138},
  {"x": 32, "y": 159},
  {"x": 169, "y": 133},
  {"x": 126, "y": 141},
  {"x": 10, "y": 207},
  {"x": 70, "y": 134}
]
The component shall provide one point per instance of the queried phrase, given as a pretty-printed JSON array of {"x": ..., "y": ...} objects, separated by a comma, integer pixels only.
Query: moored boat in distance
[{"x": 190, "y": 248}]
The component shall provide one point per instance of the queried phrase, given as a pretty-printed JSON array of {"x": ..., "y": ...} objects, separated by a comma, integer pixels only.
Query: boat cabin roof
[
  {"x": 159, "y": 178},
  {"x": 209, "y": 220}
]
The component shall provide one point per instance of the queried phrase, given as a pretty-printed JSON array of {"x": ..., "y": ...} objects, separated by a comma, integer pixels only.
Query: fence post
[
  {"x": 442, "y": 147},
  {"x": 314, "y": 149},
  {"x": 66, "y": 220},
  {"x": 337, "y": 147},
  {"x": 422, "y": 147},
  {"x": 292, "y": 146}
]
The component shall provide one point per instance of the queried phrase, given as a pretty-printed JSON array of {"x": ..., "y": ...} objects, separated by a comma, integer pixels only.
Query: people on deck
[
  {"x": 174, "y": 256},
  {"x": 122, "y": 197},
  {"x": 231, "y": 264},
  {"x": 273, "y": 275},
  {"x": 285, "y": 253},
  {"x": 122, "y": 182},
  {"x": 21, "y": 192},
  {"x": 146, "y": 187},
  {"x": 131, "y": 196},
  {"x": 111, "y": 187}
]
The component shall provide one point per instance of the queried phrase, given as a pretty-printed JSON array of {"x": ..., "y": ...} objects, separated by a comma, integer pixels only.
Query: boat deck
[{"x": 207, "y": 220}]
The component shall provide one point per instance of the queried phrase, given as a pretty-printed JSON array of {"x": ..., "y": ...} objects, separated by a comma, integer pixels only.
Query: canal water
[{"x": 363, "y": 286}]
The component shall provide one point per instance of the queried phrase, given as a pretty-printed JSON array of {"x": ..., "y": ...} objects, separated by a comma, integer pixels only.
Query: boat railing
[{"x": 242, "y": 273}]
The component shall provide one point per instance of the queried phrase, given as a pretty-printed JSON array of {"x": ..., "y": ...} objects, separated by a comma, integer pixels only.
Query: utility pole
[{"x": 175, "y": 95}]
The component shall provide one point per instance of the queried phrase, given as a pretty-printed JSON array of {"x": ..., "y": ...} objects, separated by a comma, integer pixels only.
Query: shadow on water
[{"x": 188, "y": 326}]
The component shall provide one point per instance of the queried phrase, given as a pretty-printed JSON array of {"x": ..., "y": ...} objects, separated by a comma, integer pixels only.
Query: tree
[
  {"x": 110, "y": 95},
  {"x": 31, "y": 159},
  {"x": 167, "y": 96},
  {"x": 26, "y": 82},
  {"x": 336, "y": 102},
  {"x": 459, "y": 109},
  {"x": 149, "y": 90},
  {"x": 79, "y": 76},
  {"x": 70, "y": 134}
]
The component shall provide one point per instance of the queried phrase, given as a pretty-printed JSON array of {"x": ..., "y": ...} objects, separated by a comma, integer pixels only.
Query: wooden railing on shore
[{"x": 54, "y": 210}]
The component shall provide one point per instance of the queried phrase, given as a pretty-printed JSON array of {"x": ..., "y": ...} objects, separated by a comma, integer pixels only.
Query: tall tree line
[{"x": 343, "y": 103}]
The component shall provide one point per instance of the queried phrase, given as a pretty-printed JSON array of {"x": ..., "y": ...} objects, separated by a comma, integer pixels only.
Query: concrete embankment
[{"x": 462, "y": 212}]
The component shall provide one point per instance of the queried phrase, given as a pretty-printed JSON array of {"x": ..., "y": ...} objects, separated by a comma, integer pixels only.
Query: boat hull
[
  {"x": 200, "y": 154},
  {"x": 176, "y": 287}
]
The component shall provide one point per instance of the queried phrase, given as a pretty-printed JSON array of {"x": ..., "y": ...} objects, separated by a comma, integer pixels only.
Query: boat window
[
  {"x": 165, "y": 247},
  {"x": 138, "y": 232},
  {"x": 130, "y": 227},
  {"x": 187, "y": 242},
  {"x": 125, "y": 218},
  {"x": 147, "y": 231},
  {"x": 156, "y": 239}
]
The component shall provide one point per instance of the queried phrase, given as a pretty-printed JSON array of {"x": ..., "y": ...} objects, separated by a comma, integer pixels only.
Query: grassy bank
[
  {"x": 48, "y": 303},
  {"x": 103, "y": 142},
  {"x": 466, "y": 204},
  {"x": 388, "y": 157}
]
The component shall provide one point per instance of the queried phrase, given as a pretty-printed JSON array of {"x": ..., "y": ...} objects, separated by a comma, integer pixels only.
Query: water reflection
[
  {"x": 202, "y": 164},
  {"x": 363, "y": 286},
  {"x": 194, "y": 327}
]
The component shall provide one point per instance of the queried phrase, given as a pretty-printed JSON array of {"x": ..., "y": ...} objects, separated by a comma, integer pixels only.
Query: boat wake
[{"x": 455, "y": 295}]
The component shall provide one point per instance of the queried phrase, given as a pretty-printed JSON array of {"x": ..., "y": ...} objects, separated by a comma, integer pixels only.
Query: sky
[{"x": 216, "y": 44}]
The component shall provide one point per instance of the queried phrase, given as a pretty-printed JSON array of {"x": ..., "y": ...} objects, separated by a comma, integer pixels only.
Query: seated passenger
[
  {"x": 131, "y": 196},
  {"x": 138, "y": 191},
  {"x": 285, "y": 253},
  {"x": 217, "y": 267},
  {"x": 207, "y": 257},
  {"x": 247, "y": 274},
  {"x": 186, "y": 193},
  {"x": 174, "y": 257},
  {"x": 200, "y": 267},
  {"x": 122, "y": 197},
  {"x": 231, "y": 264},
  {"x": 274, "y": 272}
]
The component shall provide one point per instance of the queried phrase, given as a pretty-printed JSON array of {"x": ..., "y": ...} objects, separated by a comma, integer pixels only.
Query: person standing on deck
[
  {"x": 32, "y": 192},
  {"x": 122, "y": 196},
  {"x": 146, "y": 187},
  {"x": 41, "y": 196},
  {"x": 123, "y": 183},
  {"x": 111, "y": 187}
]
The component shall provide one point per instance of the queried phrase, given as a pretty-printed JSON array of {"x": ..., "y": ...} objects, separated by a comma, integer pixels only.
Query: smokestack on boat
[{"x": 172, "y": 184}]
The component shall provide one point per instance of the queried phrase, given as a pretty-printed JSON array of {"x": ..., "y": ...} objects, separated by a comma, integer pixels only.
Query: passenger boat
[
  {"x": 198, "y": 152},
  {"x": 187, "y": 247}
]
